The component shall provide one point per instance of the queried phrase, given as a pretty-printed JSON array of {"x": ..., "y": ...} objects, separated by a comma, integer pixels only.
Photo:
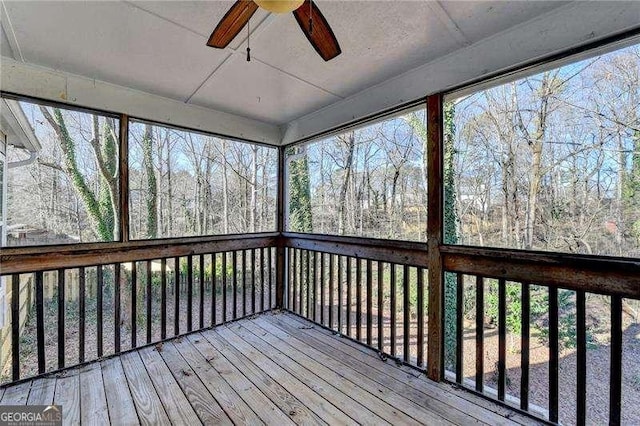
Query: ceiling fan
[{"x": 307, "y": 14}]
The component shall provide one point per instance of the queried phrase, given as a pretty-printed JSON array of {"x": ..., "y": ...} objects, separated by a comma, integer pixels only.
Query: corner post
[
  {"x": 280, "y": 257},
  {"x": 435, "y": 155}
]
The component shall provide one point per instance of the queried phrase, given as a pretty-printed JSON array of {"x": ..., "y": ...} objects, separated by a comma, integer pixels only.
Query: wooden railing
[
  {"x": 376, "y": 292},
  {"x": 97, "y": 300},
  {"x": 102, "y": 299},
  {"x": 370, "y": 290},
  {"x": 551, "y": 284}
]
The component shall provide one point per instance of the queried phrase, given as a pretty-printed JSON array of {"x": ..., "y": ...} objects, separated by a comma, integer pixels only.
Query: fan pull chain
[
  {"x": 248, "y": 41},
  {"x": 310, "y": 17}
]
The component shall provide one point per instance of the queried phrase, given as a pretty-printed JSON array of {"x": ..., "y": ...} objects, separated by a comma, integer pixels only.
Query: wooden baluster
[
  {"x": 369, "y": 301},
  {"x": 234, "y": 261},
  {"x": 392, "y": 286},
  {"x": 149, "y": 298},
  {"x": 40, "y": 322},
  {"x": 615, "y": 369},
  {"x": 340, "y": 291},
  {"x": 380, "y": 306},
  {"x": 214, "y": 287},
  {"x": 308, "y": 272},
  {"x": 99, "y": 294},
  {"x": 553, "y": 354},
  {"x": 176, "y": 300},
  {"x": 294, "y": 274},
  {"x": 189, "y": 293},
  {"x": 331, "y": 292},
  {"x": 244, "y": 283},
  {"x": 459, "y": 328},
  {"x": 224, "y": 287},
  {"x": 253, "y": 281},
  {"x": 270, "y": 274},
  {"x": 420, "y": 301},
  {"x": 81, "y": 314},
  {"x": 134, "y": 304},
  {"x": 201, "y": 284},
  {"x": 502, "y": 333},
  {"x": 15, "y": 326},
  {"x": 163, "y": 298},
  {"x": 359, "y": 299},
  {"x": 116, "y": 308},
  {"x": 322, "y": 297},
  {"x": 581, "y": 358},
  {"x": 479, "y": 334},
  {"x": 405, "y": 312},
  {"x": 348, "y": 307},
  {"x": 525, "y": 300}
]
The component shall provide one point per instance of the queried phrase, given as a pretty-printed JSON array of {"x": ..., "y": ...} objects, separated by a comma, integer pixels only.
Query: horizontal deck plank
[
  {"x": 205, "y": 368},
  {"x": 16, "y": 394},
  {"x": 341, "y": 397}
]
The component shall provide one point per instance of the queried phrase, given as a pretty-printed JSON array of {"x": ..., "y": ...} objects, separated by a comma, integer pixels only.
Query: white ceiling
[{"x": 159, "y": 47}]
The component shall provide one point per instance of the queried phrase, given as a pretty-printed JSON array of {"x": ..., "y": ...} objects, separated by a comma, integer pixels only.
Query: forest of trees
[
  {"x": 186, "y": 184},
  {"x": 369, "y": 182},
  {"x": 181, "y": 183},
  {"x": 552, "y": 161},
  {"x": 546, "y": 162}
]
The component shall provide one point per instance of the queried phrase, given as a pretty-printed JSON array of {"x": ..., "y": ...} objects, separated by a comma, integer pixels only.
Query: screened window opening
[
  {"x": 184, "y": 184},
  {"x": 549, "y": 162},
  {"x": 368, "y": 182},
  {"x": 61, "y": 172}
]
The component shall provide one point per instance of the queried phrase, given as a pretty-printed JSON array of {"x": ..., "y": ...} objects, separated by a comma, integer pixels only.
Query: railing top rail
[
  {"x": 32, "y": 259},
  {"x": 401, "y": 252}
]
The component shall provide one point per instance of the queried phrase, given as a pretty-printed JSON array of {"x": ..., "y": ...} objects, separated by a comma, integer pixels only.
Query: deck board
[
  {"x": 122, "y": 410},
  {"x": 341, "y": 397},
  {"x": 42, "y": 391},
  {"x": 174, "y": 401},
  {"x": 406, "y": 380},
  {"x": 228, "y": 360},
  {"x": 200, "y": 394},
  {"x": 392, "y": 407},
  {"x": 146, "y": 400},
  {"x": 269, "y": 369},
  {"x": 67, "y": 394},
  {"x": 93, "y": 401}
]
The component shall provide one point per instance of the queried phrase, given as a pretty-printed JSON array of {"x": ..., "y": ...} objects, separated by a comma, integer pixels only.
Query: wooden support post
[
  {"x": 280, "y": 259},
  {"x": 435, "y": 154}
]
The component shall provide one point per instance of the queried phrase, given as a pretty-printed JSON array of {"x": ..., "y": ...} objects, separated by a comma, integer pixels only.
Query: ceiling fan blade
[
  {"x": 231, "y": 24},
  {"x": 321, "y": 36}
]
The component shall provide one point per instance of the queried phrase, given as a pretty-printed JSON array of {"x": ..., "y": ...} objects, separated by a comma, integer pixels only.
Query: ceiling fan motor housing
[{"x": 279, "y": 6}]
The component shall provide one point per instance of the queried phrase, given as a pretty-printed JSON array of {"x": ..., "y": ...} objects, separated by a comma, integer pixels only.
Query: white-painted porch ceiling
[{"x": 159, "y": 47}]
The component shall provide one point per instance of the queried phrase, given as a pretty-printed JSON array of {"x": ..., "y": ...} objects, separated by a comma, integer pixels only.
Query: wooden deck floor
[{"x": 270, "y": 369}]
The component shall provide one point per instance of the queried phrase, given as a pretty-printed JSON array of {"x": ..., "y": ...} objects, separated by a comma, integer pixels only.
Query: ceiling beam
[
  {"x": 45, "y": 83},
  {"x": 562, "y": 28}
]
